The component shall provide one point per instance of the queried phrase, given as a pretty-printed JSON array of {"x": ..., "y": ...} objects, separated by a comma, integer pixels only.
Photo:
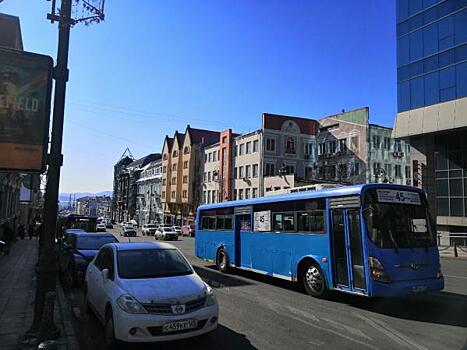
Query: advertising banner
[
  {"x": 262, "y": 221},
  {"x": 25, "y": 90}
]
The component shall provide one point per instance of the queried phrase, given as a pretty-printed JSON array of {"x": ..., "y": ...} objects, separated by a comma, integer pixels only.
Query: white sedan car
[{"x": 148, "y": 292}]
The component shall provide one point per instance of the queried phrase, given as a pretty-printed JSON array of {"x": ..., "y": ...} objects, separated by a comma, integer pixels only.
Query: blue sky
[{"x": 154, "y": 66}]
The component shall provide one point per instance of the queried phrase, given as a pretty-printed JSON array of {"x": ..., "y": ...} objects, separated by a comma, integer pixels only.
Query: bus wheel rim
[{"x": 313, "y": 279}]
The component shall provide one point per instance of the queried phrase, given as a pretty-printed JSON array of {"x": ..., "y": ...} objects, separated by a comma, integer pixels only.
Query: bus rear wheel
[
  {"x": 313, "y": 280},
  {"x": 222, "y": 260}
]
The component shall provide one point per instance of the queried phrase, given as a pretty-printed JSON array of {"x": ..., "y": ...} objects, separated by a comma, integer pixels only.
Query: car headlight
[
  {"x": 210, "y": 296},
  {"x": 129, "y": 304}
]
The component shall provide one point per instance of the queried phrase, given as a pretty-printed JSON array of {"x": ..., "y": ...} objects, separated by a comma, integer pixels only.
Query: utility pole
[{"x": 46, "y": 268}]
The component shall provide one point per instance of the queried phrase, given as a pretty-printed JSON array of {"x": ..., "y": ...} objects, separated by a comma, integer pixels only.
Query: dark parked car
[
  {"x": 109, "y": 224},
  {"x": 77, "y": 249},
  {"x": 128, "y": 231}
]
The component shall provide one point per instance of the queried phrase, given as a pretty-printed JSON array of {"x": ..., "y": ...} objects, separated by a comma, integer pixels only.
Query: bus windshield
[{"x": 395, "y": 222}]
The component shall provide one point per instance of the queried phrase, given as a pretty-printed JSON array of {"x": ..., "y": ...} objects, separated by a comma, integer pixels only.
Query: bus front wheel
[
  {"x": 222, "y": 260},
  {"x": 313, "y": 280}
]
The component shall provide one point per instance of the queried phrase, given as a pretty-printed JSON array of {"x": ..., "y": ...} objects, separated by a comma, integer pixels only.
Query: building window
[
  {"x": 204, "y": 197},
  {"x": 376, "y": 141},
  {"x": 332, "y": 147},
  {"x": 407, "y": 172},
  {"x": 407, "y": 148},
  {"x": 234, "y": 195},
  {"x": 248, "y": 147},
  {"x": 236, "y": 150},
  {"x": 308, "y": 151},
  {"x": 290, "y": 145},
  {"x": 185, "y": 164},
  {"x": 214, "y": 156},
  {"x": 240, "y": 193},
  {"x": 240, "y": 173},
  {"x": 248, "y": 171},
  {"x": 255, "y": 193},
  {"x": 388, "y": 170},
  {"x": 213, "y": 197},
  {"x": 185, "y": 194},
  {"x": 224, "y": 139},
  {"x": 242, "y": 150},
  {"x": 163, "y": 182},
  {"x": 308, "y": 172},
  {"x": 255, "y": 170},
  {"x": 247, "y": 193},
  {"x": 205, "y": 176},
  {"x": 271, "y": 145},
  {"x": 255, "y": 146},
  {"x": 175, "y": 154},
  {"x": 270, "y": 169},
  {"x": 163, "y": 194},
  {"x": 398, "y": 171},
  {"x": 185, "y": 179},
  {"x": 387, "y": 143},
  {"x": 235, "y": 173},
  {"x": 321, "y": 148},
  {"x": 174, "y": 181},
  {"x": 186, "y": 150},
  {"x": 173, "y": 194},
  {"x": 209, "y": 157},
  {"x": 331, "y": 172},
  {"x": 174, "y": 167},
  {"x": 165, "y": 156},
  {"x": 397, "y": 146},
  {"x": 164, "y": 169},
  {"x": 209, "y": 176},
  {"x": 289, "y": 169},
  {"x": 376, "y": 166},
  {"x": 343, "y": 145}
]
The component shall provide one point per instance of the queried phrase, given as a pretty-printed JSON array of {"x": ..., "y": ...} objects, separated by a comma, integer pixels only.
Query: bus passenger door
[
  {"x": 242, "y": 228},
  {"x": 347, "y": 248}
]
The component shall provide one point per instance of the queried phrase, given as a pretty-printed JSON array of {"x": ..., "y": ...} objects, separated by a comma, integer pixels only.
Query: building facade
[
  {"x": 118, "y": 192},
  {"x": 353, "y": 151},
  {"x": 432, "y": 103},
  {"x": 149, "y": 186},
  {"x": 182, "y": 156},
  {"x": 127, "y": 188},
  {"x": 98, "y": 206}
]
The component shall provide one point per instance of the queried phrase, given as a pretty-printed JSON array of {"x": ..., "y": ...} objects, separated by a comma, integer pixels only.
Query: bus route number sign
[
  {"x": 262, "y": 221},
  {"x": 396, "y": 196}
]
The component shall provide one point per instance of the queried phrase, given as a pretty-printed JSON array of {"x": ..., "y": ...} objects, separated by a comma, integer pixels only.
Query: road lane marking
[
  {"x": 333, "y": 332},
  {"x": 349, "y": 329},
  {"x": 391, "y": 332},
  {"x": 451, "y": 276}
]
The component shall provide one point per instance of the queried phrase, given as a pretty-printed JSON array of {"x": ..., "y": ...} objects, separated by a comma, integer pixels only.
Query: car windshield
[
  {"x": 93, "y": 242},
  {"x": 152, "y": 263},
  {"x": 398, "y": 225},
  {"x": 151, "y": 226}
]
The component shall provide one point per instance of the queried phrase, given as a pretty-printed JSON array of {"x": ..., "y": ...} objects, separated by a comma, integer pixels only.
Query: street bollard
[
  {"x": 455, "y": 250},
  {"x": 47, "y": 329}
]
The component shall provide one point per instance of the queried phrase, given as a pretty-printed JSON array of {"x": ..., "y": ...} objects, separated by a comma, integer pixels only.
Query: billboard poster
[{"x": 25, "y": 90}]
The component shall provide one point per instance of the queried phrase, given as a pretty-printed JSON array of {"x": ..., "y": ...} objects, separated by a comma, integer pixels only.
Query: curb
[{"x": 71, "y": 341}]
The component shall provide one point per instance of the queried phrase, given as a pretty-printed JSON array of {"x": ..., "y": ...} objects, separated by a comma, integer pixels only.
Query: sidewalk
[
  {"x": 17, "y": 283},
  {"x": 448, "y": 252}
]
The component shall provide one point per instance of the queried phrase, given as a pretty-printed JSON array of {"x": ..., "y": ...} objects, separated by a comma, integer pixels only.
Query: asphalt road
[{"x": 258, "y": 312}]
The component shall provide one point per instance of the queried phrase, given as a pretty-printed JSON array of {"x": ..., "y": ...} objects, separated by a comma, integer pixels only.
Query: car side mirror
[{"x": 105, "y": 274}]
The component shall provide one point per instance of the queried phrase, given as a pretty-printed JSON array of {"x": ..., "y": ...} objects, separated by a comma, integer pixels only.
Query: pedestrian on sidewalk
[
  {"x": 7, "y": 237},
  {"x": 31, "y": 230},
  {"x": 21, "y": 231}
]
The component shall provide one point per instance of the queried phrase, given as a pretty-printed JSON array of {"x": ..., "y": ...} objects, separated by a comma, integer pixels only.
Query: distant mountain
[{"x": 64, "y": 198}]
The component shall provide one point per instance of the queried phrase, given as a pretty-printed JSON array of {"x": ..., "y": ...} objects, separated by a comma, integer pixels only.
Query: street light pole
[{"x": 46, "y": 269}]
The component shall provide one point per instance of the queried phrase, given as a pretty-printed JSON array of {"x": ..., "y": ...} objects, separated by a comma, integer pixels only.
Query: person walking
[
  {"x": 21, "y": 231},
  {"x": 8, "y": 237},
  {"x": 31, "y": 230}
]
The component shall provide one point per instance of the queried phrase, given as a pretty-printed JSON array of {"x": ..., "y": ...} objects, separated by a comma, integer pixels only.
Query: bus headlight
[{"x": 377, "y": 270}]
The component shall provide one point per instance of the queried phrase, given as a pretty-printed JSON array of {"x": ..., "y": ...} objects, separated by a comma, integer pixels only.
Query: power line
[{"x": 93, "y": 106}]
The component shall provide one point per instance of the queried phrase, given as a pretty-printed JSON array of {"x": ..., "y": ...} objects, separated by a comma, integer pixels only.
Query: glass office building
[{"x": 432, "y": 102}]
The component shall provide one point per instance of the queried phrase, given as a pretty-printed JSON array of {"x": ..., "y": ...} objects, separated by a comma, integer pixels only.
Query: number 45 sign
[{"x": 395, "y": 196}]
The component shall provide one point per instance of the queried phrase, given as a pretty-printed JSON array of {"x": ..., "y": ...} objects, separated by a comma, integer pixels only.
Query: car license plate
[
  {"x": 179, "y": 326},
  {"x": 419, "y": 289}
]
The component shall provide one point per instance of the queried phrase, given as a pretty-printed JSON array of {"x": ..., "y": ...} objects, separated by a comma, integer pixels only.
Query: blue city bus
[{"x": 374, "y": 240}]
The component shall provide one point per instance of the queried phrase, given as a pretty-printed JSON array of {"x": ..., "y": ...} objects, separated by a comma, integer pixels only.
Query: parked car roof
[
  {"x": 142, "y": 245},
  {"x": 92, "y": 234}
]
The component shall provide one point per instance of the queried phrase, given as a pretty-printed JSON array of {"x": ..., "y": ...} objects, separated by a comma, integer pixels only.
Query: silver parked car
[{"x": 166, "y": 233}]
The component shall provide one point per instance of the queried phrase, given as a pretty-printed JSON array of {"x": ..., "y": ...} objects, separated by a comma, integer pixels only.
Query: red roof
[
  {"x": 275, "y": 122},
  {"x": 207, "y": 137}
]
